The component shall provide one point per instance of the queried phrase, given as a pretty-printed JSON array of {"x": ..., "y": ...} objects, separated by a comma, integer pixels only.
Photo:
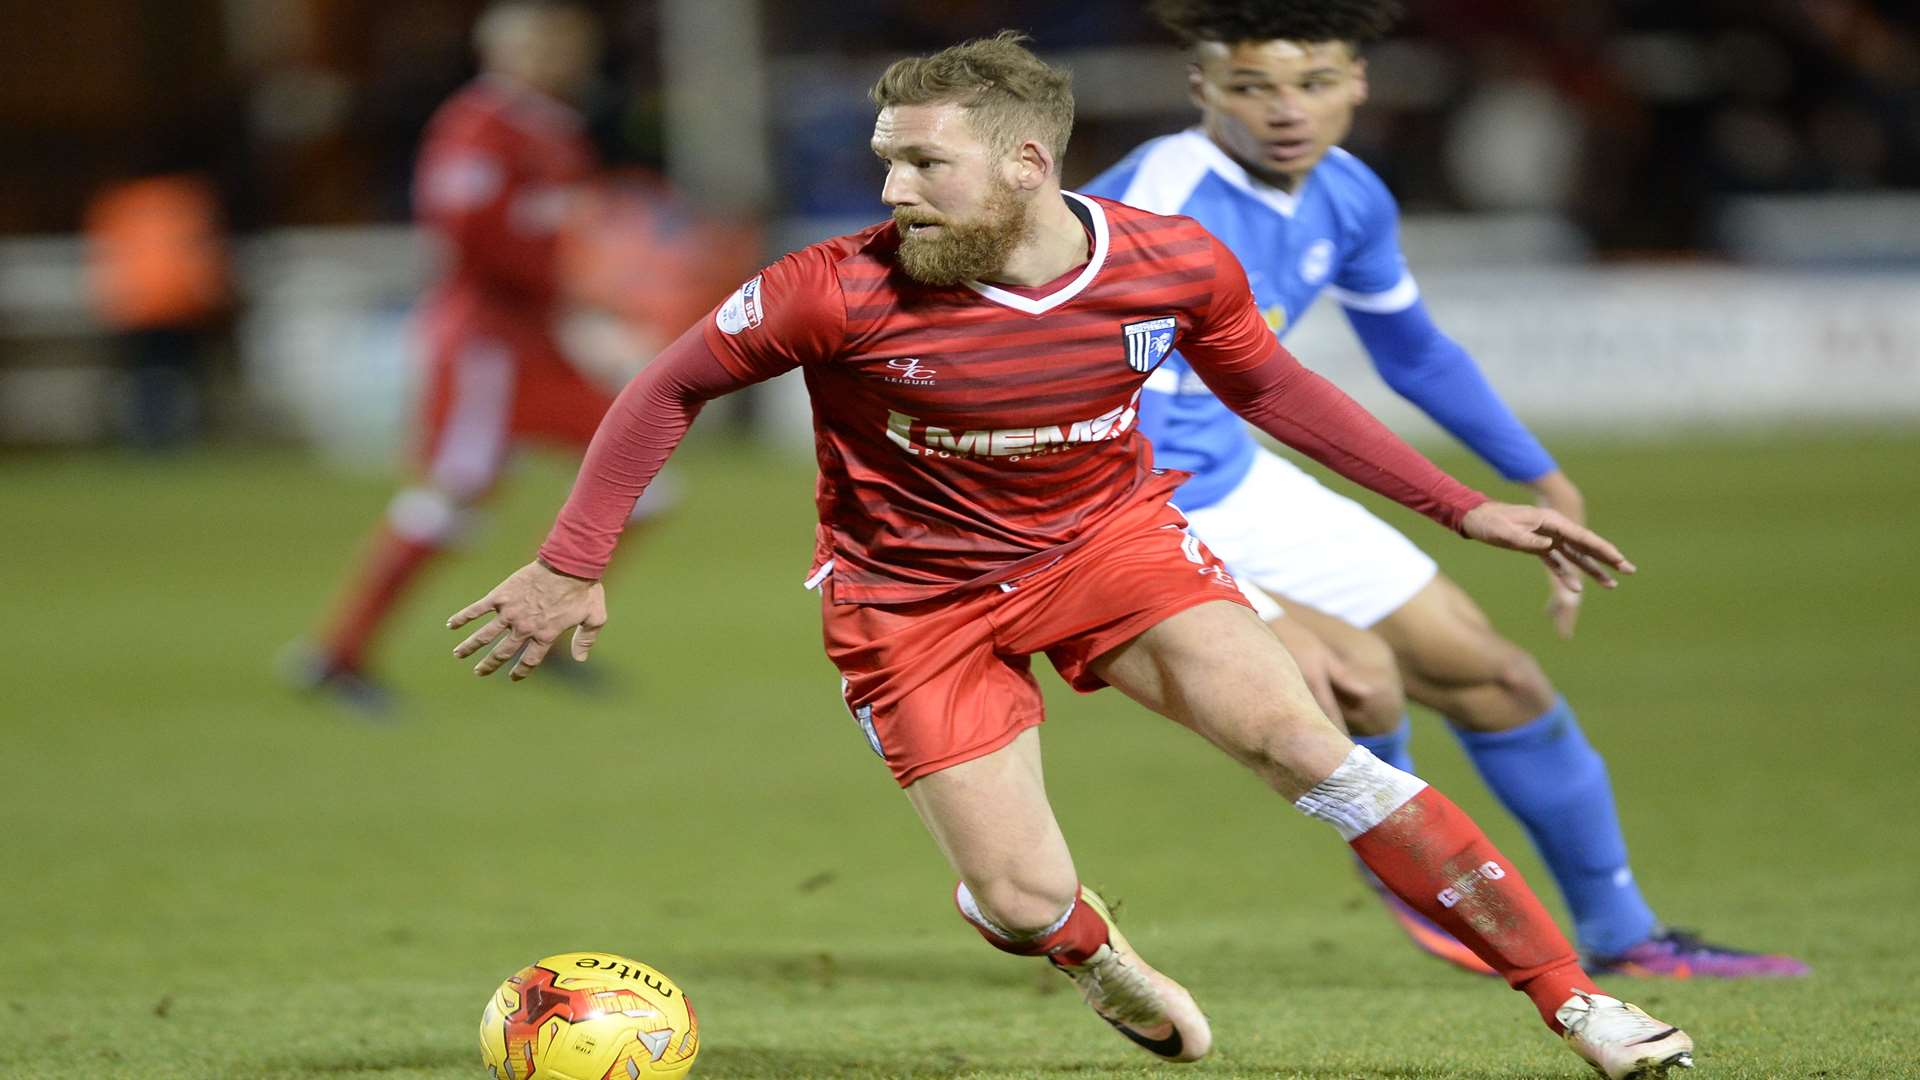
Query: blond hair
[{"x": 1010, "y": 95}]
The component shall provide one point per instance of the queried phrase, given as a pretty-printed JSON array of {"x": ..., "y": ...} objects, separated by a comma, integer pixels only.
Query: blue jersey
[{"x": 1339, "y": 234}]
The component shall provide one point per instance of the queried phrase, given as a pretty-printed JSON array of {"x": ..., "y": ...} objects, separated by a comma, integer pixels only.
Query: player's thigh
[
  {"x": 466, "y": 415},
  {"x": 1218, "y": 670},
  {"x": 1445, "y": 642},
  {"x": 991, "y": 819},
  {"x": 1368, "y": 658},
  {"x": 925, "y": 682},
  {"x": 1286, "y": 533}
]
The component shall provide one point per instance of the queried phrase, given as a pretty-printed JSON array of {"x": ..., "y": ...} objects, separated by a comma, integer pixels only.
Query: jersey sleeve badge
[
  {"x": 742, "y": 311},
  {"x": 1148, "y": 341}
]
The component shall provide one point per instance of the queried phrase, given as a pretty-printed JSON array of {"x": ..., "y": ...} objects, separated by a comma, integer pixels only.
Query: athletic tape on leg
[
  {"x": 1360, "y": 794},
  {"x": 970, "y": 908}
]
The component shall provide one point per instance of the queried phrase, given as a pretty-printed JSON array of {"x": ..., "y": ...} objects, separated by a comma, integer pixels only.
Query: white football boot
[
  {"x": 1620, "y": 1041},
  {"x": 1153, "y": 1011}
]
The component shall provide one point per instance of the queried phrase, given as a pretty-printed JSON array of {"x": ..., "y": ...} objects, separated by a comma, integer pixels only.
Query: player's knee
[
  {"x": 1281, "y": 748},
  {"x": 1023, "y": 903},
  {"x": 427, "y": 515},
  {"x": 1379, "y": 708},
  {"x": 1525, "y": 683}
]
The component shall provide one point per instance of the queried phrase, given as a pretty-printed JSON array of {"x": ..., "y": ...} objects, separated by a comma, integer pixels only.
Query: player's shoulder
[
  {"x": 1160, "y": 174},
  {"x": 1143, "y": 247},
  {"x": 473, "y": 119},
  {"x": 860, "y": 259},
  {"x": 478, "y": 103},
  {"x": 852, "y": 263},
  {"x": 1130, "y": 225},
  {"x": 484, "y": 109},
  {"x": 1353, "y": 186}
]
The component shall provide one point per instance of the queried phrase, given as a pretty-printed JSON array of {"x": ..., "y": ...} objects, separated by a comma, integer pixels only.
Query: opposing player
[
  {"x": 974, "y": 366},
  {"x": 501, "y": 162},
  {"x": 1277, "y": 82}
]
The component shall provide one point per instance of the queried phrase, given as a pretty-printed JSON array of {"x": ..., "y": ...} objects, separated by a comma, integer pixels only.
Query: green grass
[{"x": 204, "y": 877}]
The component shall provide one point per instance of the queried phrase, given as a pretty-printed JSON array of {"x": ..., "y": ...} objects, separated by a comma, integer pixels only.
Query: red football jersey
[
  {"x": 969, "y": 435},
  {"x": 497, "y": 174}
]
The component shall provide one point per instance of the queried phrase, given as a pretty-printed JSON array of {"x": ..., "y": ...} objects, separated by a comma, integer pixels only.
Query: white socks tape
[
  {"x": 1360, "y": 794},
  {"x": 971, "y": 909}
]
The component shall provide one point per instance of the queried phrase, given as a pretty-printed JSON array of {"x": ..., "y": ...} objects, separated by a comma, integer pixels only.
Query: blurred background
[{"x": 1710, "y": 211}]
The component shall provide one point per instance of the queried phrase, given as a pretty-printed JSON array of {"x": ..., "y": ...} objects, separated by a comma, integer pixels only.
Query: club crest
[{"x": 1148, "y": 342}]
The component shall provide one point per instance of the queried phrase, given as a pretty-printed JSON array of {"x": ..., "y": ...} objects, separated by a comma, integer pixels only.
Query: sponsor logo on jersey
[
  {"x": 742, "y": 310},
  {"x": 908, "y": 370},
  {"x": 1316, "y": 261},
  {"x": 929, "y": 440},
  {"x": 1148, "y": 341}
]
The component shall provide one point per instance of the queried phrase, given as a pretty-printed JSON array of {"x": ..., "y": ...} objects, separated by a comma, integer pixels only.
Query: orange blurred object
[{"x": 158, "y": 255}]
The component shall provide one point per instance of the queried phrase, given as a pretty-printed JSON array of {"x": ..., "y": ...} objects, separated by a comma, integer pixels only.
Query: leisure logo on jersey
[
  {"x": 742, "y": 310},
  {"x": 1148, "y": 341},
  {"x": 907, "y": 370}
]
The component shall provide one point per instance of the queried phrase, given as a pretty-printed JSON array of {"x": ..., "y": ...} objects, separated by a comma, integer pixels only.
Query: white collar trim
[
  {"x": 1236, "y": 174},
  {"x": 1072, "y": 288}
]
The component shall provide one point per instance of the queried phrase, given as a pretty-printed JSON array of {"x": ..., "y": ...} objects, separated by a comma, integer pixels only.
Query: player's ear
[
  {"x": 1032, "y": 165},
  {"x": 1359, "y": 80},
  {"x": 1196, "y": 86}
]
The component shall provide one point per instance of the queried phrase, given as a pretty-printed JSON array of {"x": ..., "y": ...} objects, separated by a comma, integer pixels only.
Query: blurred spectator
[{"x": 159, "y": 272}]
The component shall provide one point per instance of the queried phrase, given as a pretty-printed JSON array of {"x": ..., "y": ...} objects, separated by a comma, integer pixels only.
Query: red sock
[
  {"x": 389, "y": 567},
  {"x": 1073, "y": 942},
  {"x": 1432, "y": 855}
]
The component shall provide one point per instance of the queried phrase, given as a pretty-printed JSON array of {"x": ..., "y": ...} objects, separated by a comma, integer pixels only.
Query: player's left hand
[
  {"x": 531, "y": 610},
  {"x": 1555, "y": 491},
  {"x": 1568, "y": 549}
]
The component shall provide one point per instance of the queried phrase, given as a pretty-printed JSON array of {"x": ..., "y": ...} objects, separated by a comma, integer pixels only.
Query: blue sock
[
  {"x": 1546, "y": 774},
  {"x": 1391, "y": 747}
]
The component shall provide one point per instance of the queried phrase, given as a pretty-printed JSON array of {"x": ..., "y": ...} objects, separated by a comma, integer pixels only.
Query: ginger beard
[{"x": 963, "y": 250}]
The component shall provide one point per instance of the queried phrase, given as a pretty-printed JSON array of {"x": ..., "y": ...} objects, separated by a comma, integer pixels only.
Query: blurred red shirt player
[{"x": 503, "y": 162}]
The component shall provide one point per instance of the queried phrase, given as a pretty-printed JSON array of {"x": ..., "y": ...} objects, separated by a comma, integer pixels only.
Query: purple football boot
[{"x": 1680, "y": 954}]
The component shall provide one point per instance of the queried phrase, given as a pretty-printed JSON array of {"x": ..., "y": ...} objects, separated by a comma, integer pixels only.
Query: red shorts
[
  {"x": 489, "y": 386},
  {"x": 942, "y": 681}
]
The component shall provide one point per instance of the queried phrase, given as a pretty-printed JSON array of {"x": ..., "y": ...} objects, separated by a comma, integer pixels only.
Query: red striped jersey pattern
[{"x": 970, "y": 434}]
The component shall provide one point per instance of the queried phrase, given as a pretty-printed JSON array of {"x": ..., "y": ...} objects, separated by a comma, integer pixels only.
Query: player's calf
[
  {"x": 1432, "y": 856},
  {"x": 1435, "y": 858}
]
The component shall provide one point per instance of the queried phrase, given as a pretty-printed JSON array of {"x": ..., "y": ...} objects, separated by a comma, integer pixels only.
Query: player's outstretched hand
[
  {"x": 1569, "y": 550},
  {"x": 1557, "y": 491},
  {"x": 530, "y": 611}
]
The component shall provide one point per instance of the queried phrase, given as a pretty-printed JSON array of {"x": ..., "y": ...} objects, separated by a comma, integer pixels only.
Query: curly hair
[
  {"x": 1008, "y": 92},
  {"x": 1229, "y": 21}
]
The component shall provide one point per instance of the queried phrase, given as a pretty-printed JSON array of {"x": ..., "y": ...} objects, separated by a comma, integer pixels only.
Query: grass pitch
[{"x": 206, "y": 877}]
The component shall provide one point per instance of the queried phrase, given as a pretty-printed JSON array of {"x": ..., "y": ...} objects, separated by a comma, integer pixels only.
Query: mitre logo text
[{"x": 1010, "y": 443}]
